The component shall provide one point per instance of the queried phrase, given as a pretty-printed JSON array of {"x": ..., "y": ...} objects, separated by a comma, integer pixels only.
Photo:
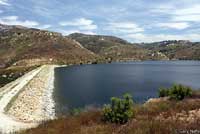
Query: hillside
[
  {"x": 119, "y": 49},
  {"x": 115, "y": 48},
  {"x": 181, "y": 49},
  {"x": 24, "y": 46}
]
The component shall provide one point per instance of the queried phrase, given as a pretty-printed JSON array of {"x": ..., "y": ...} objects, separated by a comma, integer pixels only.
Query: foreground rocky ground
[
  {"x": 157, "y": 116},
  {"x": 27, "y": 101}
]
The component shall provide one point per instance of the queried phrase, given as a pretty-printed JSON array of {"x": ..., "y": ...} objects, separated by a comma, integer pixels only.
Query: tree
[{"x": 120, "y": 110}]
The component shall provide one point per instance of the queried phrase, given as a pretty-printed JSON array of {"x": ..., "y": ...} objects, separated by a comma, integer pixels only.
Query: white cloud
[
  {"x": 81, "y": 23},
  {"x": 14, "y": 20},
  {"x": 192, "y": 17},
  {"x": 1, "y": 11},
  {"x": 191, "y": 13},
  {"x": 67, "y": 32},
  {"x": 139, "y": 37},
  {"x": 174, "y": 25},
  {"x": 4, "y": 2},
  {"x": 194, "y": 9},
  {"x": 124, "y": 27},
  {"x": 162, "y": 8},
  {"x": 45, "y": 26},
  {"x": 89, "y": 32},
  {"x": 188, "y": 12}
]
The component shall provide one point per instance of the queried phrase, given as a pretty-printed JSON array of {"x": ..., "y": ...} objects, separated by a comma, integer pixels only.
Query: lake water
[{"x": 93, "y": 85}]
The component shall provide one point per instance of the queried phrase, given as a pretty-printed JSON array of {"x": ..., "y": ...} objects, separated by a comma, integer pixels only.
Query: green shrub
[
  {"x": 178, "y": 92},
  {"x": 76, "y": 111},
  {"x": 120, "y": 110},
  {"x": 163, "y": 92}
]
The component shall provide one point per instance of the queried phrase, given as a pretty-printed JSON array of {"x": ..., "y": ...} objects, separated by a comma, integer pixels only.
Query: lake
[{"x": 93, "y": 85}]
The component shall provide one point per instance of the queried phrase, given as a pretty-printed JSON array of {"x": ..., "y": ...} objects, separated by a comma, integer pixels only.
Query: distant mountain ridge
[
  {"x": 121, "y": 49},
  {"x": 115, "y": 48},
  {"x": 29, "y": 46}
]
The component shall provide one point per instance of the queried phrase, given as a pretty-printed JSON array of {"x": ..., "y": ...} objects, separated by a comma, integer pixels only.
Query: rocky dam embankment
[{"x": 27, "y": 101}]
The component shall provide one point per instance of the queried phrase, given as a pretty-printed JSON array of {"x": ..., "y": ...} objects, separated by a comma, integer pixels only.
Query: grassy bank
[
  {"x": 158, "y": 116},
  {"x": 10, "y": 74}
]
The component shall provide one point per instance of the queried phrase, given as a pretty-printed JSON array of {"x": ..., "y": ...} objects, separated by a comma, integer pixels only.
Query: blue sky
[{"x": 133, "y": 20}]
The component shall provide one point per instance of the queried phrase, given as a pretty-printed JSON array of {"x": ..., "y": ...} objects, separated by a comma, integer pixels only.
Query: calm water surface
[{"x": 93, "y": 85}]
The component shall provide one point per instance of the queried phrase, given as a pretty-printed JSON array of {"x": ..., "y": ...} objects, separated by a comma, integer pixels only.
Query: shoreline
[
  {"x": 48, "y": 98},
  {"x": 115, "y": 62}
]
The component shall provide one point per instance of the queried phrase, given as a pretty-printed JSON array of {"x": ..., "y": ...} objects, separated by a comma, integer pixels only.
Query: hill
[
  {"x": 119, "y": 49},
  {"x": 115, "y": 48},
  {"x": 27, "y": 46},
  {"x": 176, "y": 49}
]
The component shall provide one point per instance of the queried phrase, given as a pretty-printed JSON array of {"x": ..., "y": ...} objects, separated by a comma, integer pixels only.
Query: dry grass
[{"x": 10, "y": 74}]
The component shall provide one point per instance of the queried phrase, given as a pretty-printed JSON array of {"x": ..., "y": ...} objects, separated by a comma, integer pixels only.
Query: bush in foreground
[
  {"x": 120, "y": 110},
  {"x": 163, "y": 92},
  {"x": 178, "y": 92}
]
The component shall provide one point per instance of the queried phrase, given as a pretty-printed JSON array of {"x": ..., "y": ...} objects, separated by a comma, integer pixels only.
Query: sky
[{"x": 133, "y": 20}]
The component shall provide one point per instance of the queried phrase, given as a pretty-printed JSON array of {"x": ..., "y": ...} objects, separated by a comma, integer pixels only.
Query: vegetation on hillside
[
  {"x": 118, "y": 49},
  {"x": 27, "y": 47},
  {"x": 176, "y": 49},
  {"x": 115, "y": 48}
]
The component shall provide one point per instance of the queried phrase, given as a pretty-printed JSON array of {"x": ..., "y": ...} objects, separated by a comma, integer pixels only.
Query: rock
[{"x": 4, "y": 76}]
